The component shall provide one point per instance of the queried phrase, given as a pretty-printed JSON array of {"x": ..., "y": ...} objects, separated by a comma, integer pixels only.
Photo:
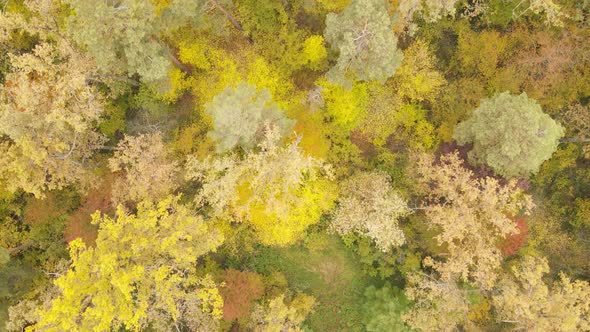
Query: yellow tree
[
  {"x": 472, "y": 216},
  {"x": 394, "y": 109},
  {"x": 277, "y": 190},
  {"x": 417, "y": 79},
  {"x": 142, "y": 272},
  {"x": 526, "y": 302}
]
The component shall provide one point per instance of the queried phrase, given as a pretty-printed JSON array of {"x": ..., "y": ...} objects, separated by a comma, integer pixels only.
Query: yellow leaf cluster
[
  {"x": 314, "y": 52},
  {"x": 347, "y": 108},
  {"x": 137, "y": 271},
  {"x": 278, "y": 190}
]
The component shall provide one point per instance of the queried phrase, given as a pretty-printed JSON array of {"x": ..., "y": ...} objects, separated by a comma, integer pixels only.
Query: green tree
[
  {"x": 511, "y": 134},
  {"x": 430, "y": 11},
  {"x": 240, "y": 115},
  {"x": 383, "y": 308},
  {"x": 124, "y": 37},
  {"x": 365, "y": 42},
  {"x": 142, "y": 272}
]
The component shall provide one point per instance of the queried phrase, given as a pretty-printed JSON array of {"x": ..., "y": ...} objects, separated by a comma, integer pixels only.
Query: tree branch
[{"x": 16, "y": 250}]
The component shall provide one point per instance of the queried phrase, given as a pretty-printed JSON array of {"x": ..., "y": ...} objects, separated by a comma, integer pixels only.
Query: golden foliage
[
  {"x": 140, "y": 273},
  {"x": 472, "y": 215},
  {"x": 278, "y": 190}
]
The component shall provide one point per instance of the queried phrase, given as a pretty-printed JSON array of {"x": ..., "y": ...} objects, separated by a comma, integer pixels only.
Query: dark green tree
[
  {"x": 240, "y": 116},
  {"x": 511, "y": 134},
  {"x": 125, "y": 36},
  {"x": 364, "y": 39},
  {"x": 383, "y": 308}
]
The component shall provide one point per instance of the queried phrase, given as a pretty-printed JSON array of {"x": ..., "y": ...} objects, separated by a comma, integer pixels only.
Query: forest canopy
[{"x": 294, "y": 165}]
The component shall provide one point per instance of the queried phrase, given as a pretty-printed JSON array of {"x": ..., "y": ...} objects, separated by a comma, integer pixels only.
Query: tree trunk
[
  {"x": 230, "y": 17},
  {"x": 575, "y": 140},
  {"x": 177, "y": 62},
  {"x": 16, "y": 250}
]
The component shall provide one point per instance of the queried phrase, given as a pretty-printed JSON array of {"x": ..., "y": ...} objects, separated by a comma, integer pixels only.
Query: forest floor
[{"x": 329, "y": 272}]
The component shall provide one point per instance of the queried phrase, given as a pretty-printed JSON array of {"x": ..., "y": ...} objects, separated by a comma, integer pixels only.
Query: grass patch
[{"x": 329, "y": 272}]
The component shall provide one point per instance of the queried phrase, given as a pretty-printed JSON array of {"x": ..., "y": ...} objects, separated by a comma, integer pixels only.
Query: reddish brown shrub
[
  {"x": 241, "y": 289},
  {"x": 43, "y": 210},
  {"x": 79, "y": 224},
  {"x": 514, "y": 242}
]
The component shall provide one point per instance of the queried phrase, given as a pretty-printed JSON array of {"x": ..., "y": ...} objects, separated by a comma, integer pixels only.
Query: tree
[
  {"x": 22, "y": 315},
  {"x": 148, "y": 173},
  {"x": 278, "y": 190},
  {"x": 511, "y": 134},
  {"x": 367, "y": 46},
  {"x": 472, "y": 216},
  {"x": 552, "y": 11},
  {"x": 332, "y": 5},
  {"x": 383, "y": 308},
  {"x": 124, "y": 36},
  {"x": 431, "y": 11},
  {"x": 417, "y": 78},
  {"x": 281, "y": 316},
  {"x": 142, "y": 272},
  {"x": 395, "y": 107},
  {"x": 410, "y": 125},
  {"x": 439, "y": 304},
  {"x": 368, "y": 206},
  {"x": 4, "y": 256},
  {"x": 526, "y": 302},
  {"x": 26, "y": 313},
  {"x": 30, "y": 22},
  {"x": 471, "y": 44},
  {"x": 240, "y": 115},
  {"x": 48, "y": 112},
  {"x": 577, "y": 121}
]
